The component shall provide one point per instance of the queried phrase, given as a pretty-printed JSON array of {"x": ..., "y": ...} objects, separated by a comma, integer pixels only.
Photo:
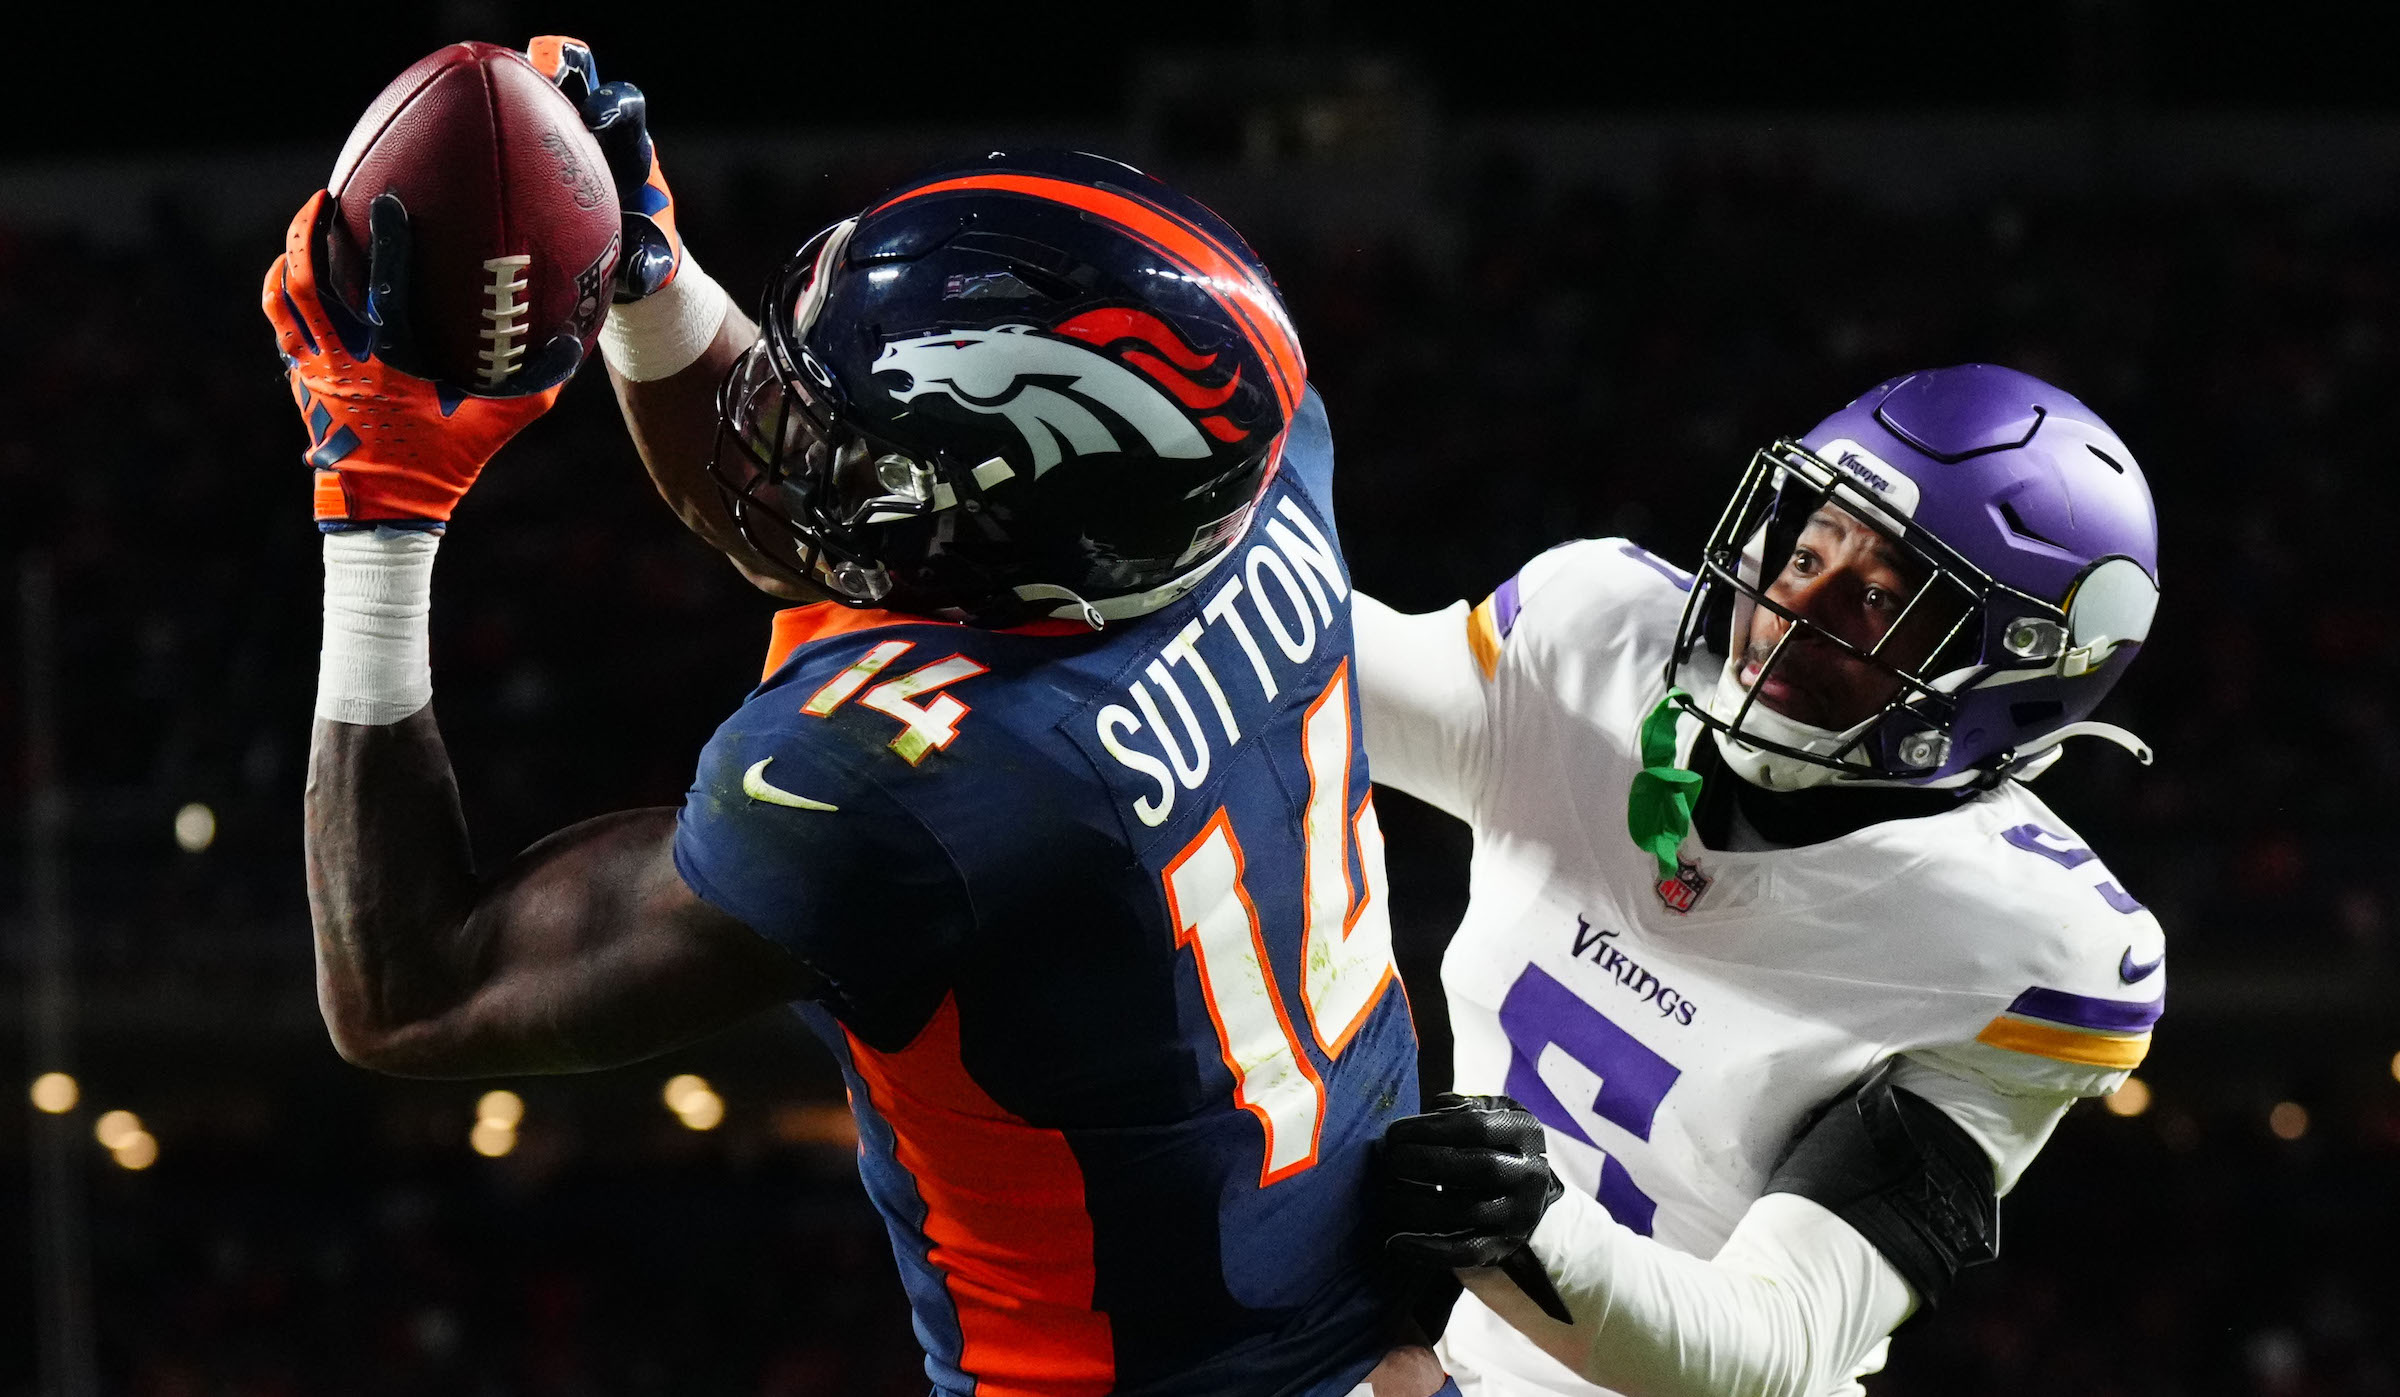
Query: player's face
[{"x": 1849, "y": 580}]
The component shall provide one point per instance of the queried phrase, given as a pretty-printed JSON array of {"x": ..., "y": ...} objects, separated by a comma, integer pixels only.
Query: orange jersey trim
[
  {"x": 1337, "y": 687},
  {"x": 2117, "y": 1050},
  {"x": 1005, "y": 1213},
  {"x": 1365, "y": 896},
  {"x": 798, "y": 625},
  {"x": 1212, "y": 267},
  {"x": 1355, "y": 897}
]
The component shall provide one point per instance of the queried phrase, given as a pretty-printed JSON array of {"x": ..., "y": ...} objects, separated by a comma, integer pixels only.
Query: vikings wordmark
[{"x": 1598, "y": 946}]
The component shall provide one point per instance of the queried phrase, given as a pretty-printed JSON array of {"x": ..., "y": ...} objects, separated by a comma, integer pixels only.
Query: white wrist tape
[
  {"x": 662, "y": 333},
  {"x": 375, "y": 668}
]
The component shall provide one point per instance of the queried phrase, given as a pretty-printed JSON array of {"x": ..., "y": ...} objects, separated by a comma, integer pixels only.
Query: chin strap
[
  {"x": 1074, "y": 607},
  {"x": 2034, "y": 759},
  {"x": 2024, "y": 764}
]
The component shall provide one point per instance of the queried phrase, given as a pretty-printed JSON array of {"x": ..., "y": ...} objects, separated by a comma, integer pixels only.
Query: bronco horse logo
[{"x": 1054, "y": 391}]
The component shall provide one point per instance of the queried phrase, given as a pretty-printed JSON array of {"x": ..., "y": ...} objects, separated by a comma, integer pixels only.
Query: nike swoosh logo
[
  {"x": 755, "y": 786},
  {"x": 2131, "y": 972}
]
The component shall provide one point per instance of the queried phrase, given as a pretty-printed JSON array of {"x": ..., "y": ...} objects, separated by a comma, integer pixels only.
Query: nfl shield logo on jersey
[{"x": 1683, "y": 892}]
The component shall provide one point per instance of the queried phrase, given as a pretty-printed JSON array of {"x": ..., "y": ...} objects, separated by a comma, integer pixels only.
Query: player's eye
[{"x": 1804, "y": 562}]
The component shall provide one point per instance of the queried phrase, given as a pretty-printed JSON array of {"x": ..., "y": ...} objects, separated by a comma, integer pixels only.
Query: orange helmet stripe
[{"x": 1198, "y": 256}]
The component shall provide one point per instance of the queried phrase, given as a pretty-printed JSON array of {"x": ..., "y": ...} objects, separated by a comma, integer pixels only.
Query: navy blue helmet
[{"x": 1029, "y": 385}]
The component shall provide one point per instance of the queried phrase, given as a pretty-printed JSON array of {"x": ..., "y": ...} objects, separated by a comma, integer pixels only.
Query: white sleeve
[
  {"x": 1796, "y": 1303},
  {"x": 1426, "y": 705},
  {"x": 2011, "y": 1119}
]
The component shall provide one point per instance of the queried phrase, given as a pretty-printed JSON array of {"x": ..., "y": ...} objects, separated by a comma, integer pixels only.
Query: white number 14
[{"x": 1345, "y": 947}]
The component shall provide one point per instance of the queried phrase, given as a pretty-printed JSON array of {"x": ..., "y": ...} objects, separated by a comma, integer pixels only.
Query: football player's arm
[
  {"x": 673, "y": 421},
  {"x": 1425, "y": 703},
  {"x": 672, "y": 332},
  {"x": 1435, "y": 688},
  {"x": 1880, "y": 1203},
  {"x": 1882, "y": 1200},
  {"x": 667, "y": 354},
  {"x": 1795, "y": 1304},
  {"x": 586, "y": 951}
]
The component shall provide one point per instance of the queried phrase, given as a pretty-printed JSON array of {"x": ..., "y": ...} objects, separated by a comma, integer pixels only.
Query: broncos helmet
[
  {"x": 2034, "y": 543},
  {"x": 1030, "y": 385}
]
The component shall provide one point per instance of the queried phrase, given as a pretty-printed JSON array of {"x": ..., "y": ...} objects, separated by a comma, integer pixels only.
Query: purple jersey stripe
[
  {"x": 1665, "y": 569},
  {"x": 1504, "y": 607},
  {"x": 2118, "y": 898},
  {"x": 2086, "y": 1011},
  {"x": 2033, "y": 839}
]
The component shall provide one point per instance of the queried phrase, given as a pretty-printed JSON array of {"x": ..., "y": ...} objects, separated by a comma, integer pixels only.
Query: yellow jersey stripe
[
  {"x": 1483, "y": 637},
  {"x": 2118, "y": 1050}
]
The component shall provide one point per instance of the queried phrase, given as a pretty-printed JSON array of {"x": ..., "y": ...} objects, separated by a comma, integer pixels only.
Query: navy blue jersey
[{"x": 1109, "y": 959}]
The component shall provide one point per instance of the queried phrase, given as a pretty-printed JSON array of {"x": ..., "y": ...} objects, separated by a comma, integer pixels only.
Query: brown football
[{"x": 512, "y": 215}]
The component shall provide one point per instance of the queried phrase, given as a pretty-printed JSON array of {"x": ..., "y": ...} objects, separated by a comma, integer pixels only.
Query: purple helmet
[{"x": 2036, "y": 545}]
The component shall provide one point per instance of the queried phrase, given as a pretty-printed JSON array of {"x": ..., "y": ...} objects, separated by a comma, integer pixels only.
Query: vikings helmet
[
  {"x": 1030, "y": 385},
  {"x": 2036, "y": 545}
]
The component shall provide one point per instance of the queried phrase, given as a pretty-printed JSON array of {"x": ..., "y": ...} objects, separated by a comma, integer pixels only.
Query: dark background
[{"x": 1558, "y": 272}]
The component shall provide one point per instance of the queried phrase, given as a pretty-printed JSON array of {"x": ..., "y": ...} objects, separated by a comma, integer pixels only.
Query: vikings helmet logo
[{"x": 1055, "y": 391}]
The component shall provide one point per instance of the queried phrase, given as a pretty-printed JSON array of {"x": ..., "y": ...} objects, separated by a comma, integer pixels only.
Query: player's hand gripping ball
[
  {"x": 388, "y": 448},
  {"x": 1465, "y": 1185},
  {"x": 617, "y": 115},
  {"x": 511, "y": 212}
]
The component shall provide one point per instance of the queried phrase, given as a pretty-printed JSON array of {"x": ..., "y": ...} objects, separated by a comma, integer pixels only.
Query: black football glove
[
  {"x": 618, "y": 117},
  {"x": 1465, "y": 1184}
]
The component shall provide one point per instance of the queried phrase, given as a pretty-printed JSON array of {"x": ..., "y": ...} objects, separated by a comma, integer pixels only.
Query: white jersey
[{"x": 1673, "y": 1035}]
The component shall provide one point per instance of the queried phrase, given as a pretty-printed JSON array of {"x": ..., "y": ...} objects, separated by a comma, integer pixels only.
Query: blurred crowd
[
  {"x": 617, "y": 1255},
  {"x": 1569, "y": 362}
]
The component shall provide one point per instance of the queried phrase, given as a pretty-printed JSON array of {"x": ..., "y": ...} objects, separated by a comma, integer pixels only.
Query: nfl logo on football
[{"x": 1683, "y": 892}]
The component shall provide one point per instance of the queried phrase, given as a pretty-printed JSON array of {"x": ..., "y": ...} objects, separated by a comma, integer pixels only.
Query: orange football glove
[
  {"x": 388, "y": 448},
  {"x": 618, "y": 117}
]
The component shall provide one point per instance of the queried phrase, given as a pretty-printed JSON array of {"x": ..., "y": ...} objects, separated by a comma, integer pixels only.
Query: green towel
[{"x": 1658, "y": 812}]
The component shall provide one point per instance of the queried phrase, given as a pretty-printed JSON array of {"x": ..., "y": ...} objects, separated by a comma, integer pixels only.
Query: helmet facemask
[
  {"x": 1923, "y": 659},
  {"x": 808, "y": 488}
]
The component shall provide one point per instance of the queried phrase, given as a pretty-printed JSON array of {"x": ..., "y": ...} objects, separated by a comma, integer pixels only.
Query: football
[{"x": 512, "y": 214}]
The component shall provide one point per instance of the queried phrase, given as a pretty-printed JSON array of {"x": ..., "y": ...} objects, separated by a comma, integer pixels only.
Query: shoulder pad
[
  {"x": 786, "y": 830},
  {"x": 2083, "y": 975},
  {"x": 1574, "y": 583}
]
